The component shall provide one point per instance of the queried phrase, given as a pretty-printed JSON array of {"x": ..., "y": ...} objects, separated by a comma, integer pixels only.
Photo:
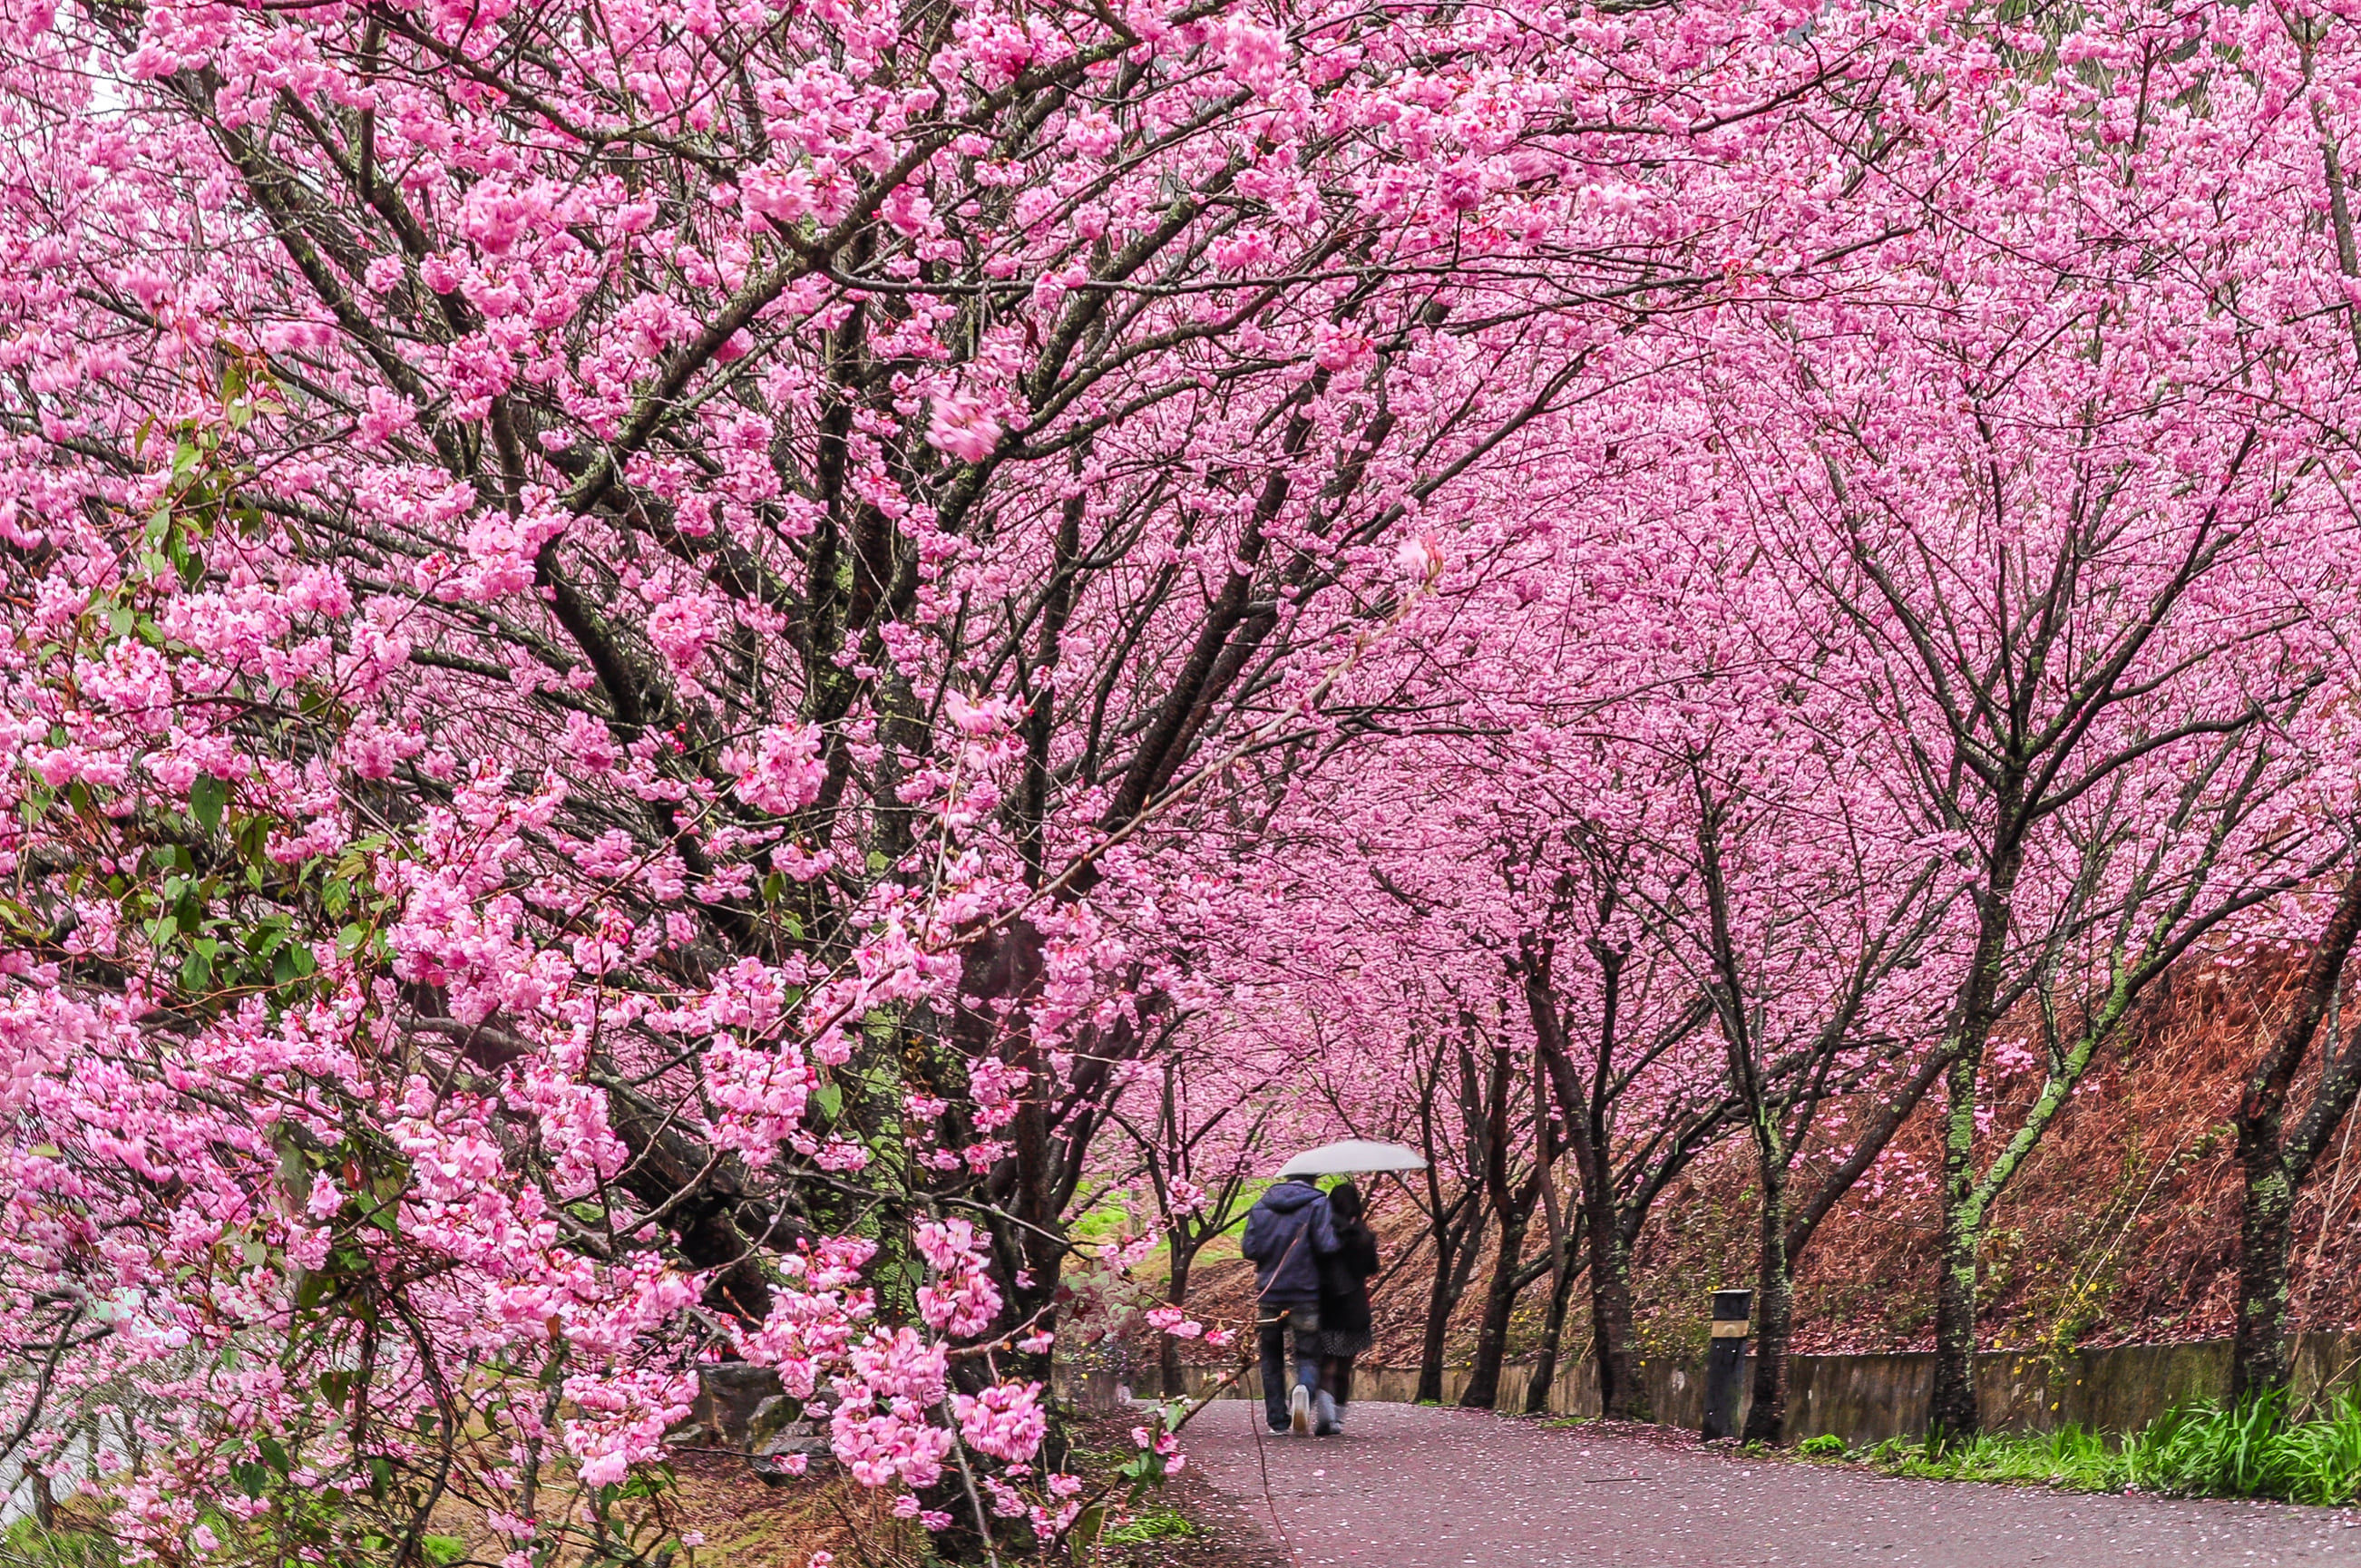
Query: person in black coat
[
  {"x": 1344, "y": 1275},
  {"x": 1288, "y": 1234}
]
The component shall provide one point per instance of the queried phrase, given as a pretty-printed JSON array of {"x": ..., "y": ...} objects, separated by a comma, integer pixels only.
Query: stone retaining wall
[{"x": 1867, "y": 1398}]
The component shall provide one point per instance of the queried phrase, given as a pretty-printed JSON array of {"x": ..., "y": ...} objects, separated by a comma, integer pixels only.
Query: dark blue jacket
[{"x": 1286, "y": 1235}]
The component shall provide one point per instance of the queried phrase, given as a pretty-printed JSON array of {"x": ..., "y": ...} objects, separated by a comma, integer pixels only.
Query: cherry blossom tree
[
  {"x": 1818, "y": 937},
  {"x": 1201, "y": 1138},
  {"x": 2072, "y": 626},
  {"x": 623, "y": 618}
]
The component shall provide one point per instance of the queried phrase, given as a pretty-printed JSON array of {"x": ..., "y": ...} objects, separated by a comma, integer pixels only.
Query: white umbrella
[{"x": 1352, "y": 1154}]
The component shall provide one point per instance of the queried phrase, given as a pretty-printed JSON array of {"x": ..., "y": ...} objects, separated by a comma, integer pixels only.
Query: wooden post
[{"x": 1725, "y": 1356}]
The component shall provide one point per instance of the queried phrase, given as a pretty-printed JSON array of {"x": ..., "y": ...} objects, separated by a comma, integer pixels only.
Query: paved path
[{"x": 1407, "y": 1487}]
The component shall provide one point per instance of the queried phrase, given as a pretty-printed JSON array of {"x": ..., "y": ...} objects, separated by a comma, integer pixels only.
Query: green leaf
[
  {"x": 645, "y": 1483},
  {"x": 294, "y": 1171},
  {"x": 250, "y": 1478},
  {"x": 273, "y": 1455},
  {"x": 829, "y": 1099},
  {"x": 207, "y": 796}
]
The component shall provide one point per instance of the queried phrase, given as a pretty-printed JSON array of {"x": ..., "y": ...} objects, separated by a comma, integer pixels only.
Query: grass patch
[
  {"x": 27, "y": 1543},
  {"x": 1154, "y": 1523},
  {"x": 2070, "y": 1458},
  {"x": 2209, "y": 1449},
  {"x": 1828, "y": 1445}
]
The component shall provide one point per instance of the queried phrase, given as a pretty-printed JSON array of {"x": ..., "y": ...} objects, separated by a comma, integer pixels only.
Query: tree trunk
[
  {"x": 2276, "y": 1160},
  {"x": 1170, "y": 1380},
  {"x": 1028, "y": 1249},
  {"x": 1953, "y": 1412},
  {"x": 2258, "y": 1362},
  {"x": 1621, "y": 1397},
  {"x": 1440, "y": 1298},
  {"x": 1537, "y": 1387},
  {"x": 1033, "y": 1249},
  {"x": 1483, "y": 1390},
  {"x": 1774, "y": 1309}
]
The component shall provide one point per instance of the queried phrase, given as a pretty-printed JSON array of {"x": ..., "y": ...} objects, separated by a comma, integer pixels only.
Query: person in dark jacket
[
  {"x": 1286, "y": 1236},
  {"x": 1344, "y": 1276}
]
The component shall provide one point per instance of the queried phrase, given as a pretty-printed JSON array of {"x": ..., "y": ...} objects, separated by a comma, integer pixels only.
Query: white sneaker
[
  {"x": 1323, "y": 1406},
  {"x": 1299, "y": 1410}
]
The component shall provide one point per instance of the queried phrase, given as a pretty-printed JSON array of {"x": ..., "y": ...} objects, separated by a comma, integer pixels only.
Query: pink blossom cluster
[{"x": 960, "y": 1298}]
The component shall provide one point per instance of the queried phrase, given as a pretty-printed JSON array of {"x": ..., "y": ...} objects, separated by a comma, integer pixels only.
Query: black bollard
[{"x": 1725, "y": 1356}]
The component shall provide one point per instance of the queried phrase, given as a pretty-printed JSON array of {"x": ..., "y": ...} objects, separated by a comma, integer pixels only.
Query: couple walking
[{"x": 1313, "y": 1258}]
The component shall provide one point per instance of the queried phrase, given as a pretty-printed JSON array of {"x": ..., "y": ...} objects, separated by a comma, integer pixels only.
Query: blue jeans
[{"x": 1274, "y": 1324}]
